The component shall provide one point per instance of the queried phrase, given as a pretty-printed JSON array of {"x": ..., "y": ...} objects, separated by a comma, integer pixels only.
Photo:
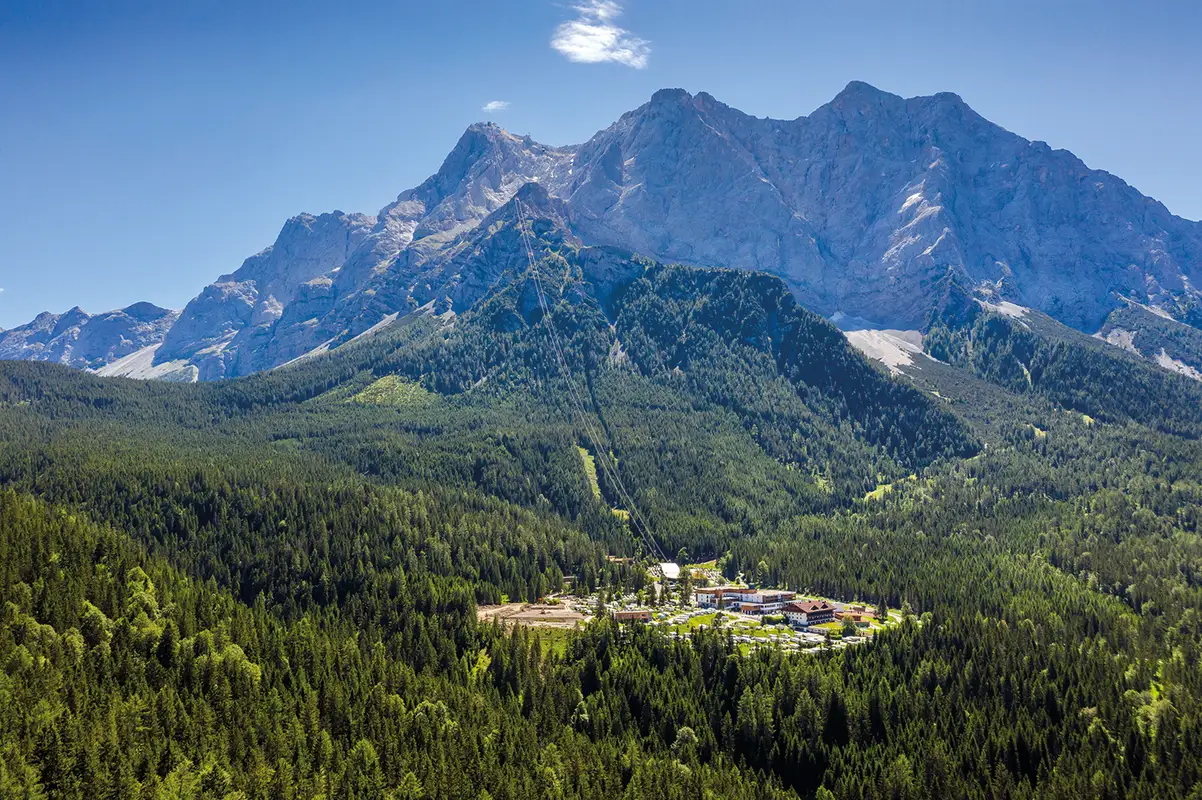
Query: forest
[{"x": 266, "y": 588}]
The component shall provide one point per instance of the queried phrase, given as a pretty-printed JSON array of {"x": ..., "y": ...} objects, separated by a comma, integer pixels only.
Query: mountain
[
  {"x": 79, "y": 339},
  {"x": 272, "y": 585},
  {"x": 231, "y": 327},
  {"x": 331, "y": 277},
  {"x": 865, "y": 205},
  {"x": 865, "y": 208}
]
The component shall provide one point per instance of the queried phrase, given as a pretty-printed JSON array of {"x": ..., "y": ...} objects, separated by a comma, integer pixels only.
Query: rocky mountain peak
[
  {"x": 79, "y": 339},
  {"x": 536, "y": 200},
  {"x": 871, "y": 206},
  {"x": 858, "y": 92},
  {"x": 144, "y": 312},
  {"x": 670, "y": 97},
  {"x": 481, "y": 143}
]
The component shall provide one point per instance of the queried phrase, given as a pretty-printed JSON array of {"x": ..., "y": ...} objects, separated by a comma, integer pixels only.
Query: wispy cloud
[
  {"x": 493, "y": 106},
  {"x": 593, "y": 37}
]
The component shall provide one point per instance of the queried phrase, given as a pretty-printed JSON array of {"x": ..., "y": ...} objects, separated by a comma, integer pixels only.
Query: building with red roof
[{"x": 809, "y": 612}]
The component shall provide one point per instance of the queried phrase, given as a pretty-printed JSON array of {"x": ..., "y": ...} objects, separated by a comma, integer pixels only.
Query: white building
[
  {"x": 809, "y": 612},
  {"x": 745, "y": 601}
]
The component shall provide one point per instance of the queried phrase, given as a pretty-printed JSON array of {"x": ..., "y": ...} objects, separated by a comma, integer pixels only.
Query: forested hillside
[
  {"x": 124, "y": 679},
  {"x": 1034, "y": 353},
  {"x": 1159, "y": 339},
  {"x": 268, "y": 587}
]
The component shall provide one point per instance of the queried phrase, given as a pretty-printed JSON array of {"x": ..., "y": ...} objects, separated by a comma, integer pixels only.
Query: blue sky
[{"x": 147, "y": 147}]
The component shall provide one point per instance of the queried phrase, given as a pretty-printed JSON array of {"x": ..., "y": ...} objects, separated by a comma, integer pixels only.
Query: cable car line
[{"x": 640, "y": 523}]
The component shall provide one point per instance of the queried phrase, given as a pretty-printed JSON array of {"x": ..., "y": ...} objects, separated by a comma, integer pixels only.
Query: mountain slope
[
  {"x": 1157, "y": 337},
  {"x": 231, "y": 327},
  {"x": 868, "y": 202},
  {"x": 1026, "y": 351},
  {"x": 864, "y": 207},
  {"x": 690, "y": 378}
]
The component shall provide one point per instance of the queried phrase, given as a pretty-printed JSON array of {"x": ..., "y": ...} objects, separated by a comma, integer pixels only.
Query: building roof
[
  {"x": 809, "y": 606},
  {"x": 670, "y": 571}
]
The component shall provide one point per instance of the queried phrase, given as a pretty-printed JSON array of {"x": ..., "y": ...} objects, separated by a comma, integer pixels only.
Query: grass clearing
[
  {"x": 555, "y": 639},
  {"x": 393, "y": 390},
  {"x": 758, "y": 631},
  {"x": 689, "y": 625},
  {"x": 590, "y": 470},
  {"x": 883, "y": 489},
  {"x": 879, "y": 492}
]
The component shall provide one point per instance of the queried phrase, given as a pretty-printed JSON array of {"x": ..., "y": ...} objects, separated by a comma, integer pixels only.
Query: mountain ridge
[
  {"x": 864, "y": 207},
  {"x": 78, "y": 339}
]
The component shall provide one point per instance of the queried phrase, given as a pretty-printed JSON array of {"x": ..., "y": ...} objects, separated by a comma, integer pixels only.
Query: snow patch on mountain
[{"x": 1007, "y": 309}]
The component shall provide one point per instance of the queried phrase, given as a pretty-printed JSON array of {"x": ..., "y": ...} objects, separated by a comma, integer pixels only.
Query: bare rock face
[
  {"x": 483, "y": 171},
  {"x": 329, "y": 278},
  {"x": 867, "y": 207},
  {"x": 86, "y": 341},
  {"x": 867, "y": 204},
  {"x": 228, "y": 329},
  {"x": 665, "y": 182}
]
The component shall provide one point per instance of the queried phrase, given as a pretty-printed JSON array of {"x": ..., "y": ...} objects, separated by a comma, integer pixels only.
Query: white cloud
[
  {"x": 493, "y": 106},
  {"x": 592, "y": 37}
]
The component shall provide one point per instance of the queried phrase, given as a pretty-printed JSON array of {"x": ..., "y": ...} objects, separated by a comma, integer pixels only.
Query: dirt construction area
[{"x": 531, "y": 614}]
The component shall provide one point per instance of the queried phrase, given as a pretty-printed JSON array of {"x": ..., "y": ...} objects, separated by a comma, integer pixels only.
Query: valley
[
  {"x": 404, "y": 537},
  {"x": 855, "y": 455}
]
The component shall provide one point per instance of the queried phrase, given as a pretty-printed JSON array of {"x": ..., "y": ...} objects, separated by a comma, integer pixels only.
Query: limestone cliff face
[
  {"x": 866, "y": 204},
  {"x": 329, "y": 278},
  {"x": 866, "y": 207},
  {"x": 229, "y": 329},
  {"x": 79, "y": 339}
]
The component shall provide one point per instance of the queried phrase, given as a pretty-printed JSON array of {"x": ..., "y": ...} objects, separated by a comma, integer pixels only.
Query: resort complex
[{"x": 758, "y": 602}]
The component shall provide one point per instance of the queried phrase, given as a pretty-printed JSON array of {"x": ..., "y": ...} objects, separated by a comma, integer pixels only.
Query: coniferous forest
[{"x": 267, "y": 587}]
